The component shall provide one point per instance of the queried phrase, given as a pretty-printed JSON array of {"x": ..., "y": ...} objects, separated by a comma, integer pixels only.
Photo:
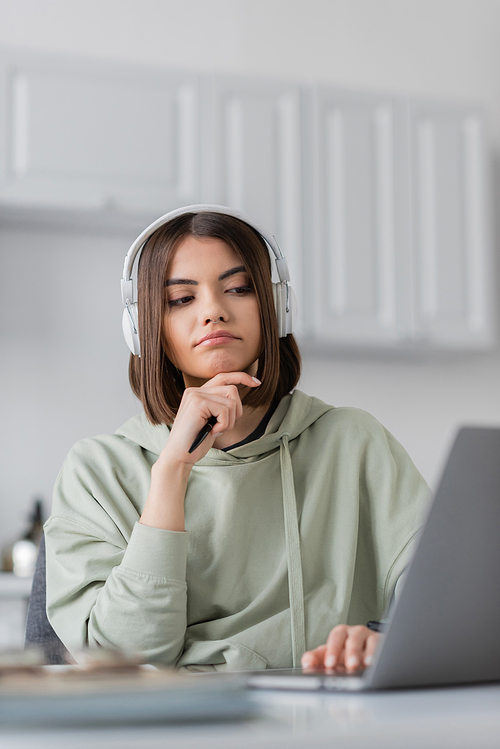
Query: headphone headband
[
  {"x": 137, "y": 246},
  {"x": 283, "y": 292}
]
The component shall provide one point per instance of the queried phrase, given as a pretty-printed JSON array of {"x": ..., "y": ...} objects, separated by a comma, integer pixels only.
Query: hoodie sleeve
[
  {"x": 111, "y": 581},
  {"x": 377, "y": 500},
  {"x": 393, "y": 502}
]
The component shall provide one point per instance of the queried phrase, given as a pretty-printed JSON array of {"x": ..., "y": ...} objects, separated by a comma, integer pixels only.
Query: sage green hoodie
[{"x": 305, "y": 528}]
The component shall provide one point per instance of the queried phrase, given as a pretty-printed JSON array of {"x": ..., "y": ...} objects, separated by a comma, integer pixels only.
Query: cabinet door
[
  {"x": 360, "y": 270},
  {"x": 451, "y": 246},
  {"x": 97, "y": 136},
  {"x": 251, "y": 162}
]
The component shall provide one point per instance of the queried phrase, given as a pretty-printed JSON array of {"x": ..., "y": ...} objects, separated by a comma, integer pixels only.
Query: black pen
[
  {"x": 376, "y": 626},
  {"x": 204, "y": 432}
]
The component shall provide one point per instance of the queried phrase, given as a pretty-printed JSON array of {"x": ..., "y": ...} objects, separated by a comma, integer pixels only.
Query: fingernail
[
  {"x": 256, "y": 380},
  {"x": 306, "y": 662},
  {"x": 368, "y": 660},
  {"x": 352, "y": 662},
  {"x": 330, "y": 661}
]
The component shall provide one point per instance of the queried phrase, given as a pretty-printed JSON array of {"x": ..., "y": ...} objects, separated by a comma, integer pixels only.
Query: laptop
[{"x": 444, "y": 628}]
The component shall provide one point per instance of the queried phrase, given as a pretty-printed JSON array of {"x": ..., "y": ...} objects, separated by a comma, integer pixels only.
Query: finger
[
  {"x": 228, "y": 411},
  {"x": 220, "y": 402},
  {"x": 224, "y": 404},
  {"x": 231, "y": 392},
  {"x": 335, "y": 645},
  {"x": 199, "y": 404},
  {"x": 355, "y": 647},
  {"x": 313, "y": 658},
  {"x": 195, "y": 411},
  {"x": 232, "y": 378},
  {"x": 372, "y": 643}
]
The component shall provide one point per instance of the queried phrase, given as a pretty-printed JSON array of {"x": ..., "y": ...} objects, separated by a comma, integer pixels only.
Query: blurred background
[{"x": 63, "y": 360}]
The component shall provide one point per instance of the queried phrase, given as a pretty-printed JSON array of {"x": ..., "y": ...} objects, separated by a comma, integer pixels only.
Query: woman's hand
[
  {"x": 349, "y": 648},
  {"x": 219, "y": 397}
]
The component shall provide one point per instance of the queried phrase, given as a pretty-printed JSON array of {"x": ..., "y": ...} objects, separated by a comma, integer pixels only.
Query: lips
[{"x": 217, "y": 336}]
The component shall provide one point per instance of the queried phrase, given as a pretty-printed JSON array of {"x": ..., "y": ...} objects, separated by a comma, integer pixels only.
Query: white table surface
[{"x": 454, "y": 718}]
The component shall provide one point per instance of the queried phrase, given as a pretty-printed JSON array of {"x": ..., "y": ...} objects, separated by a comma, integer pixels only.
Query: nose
[
  {"x": 214, "y": 312},
  {"x": 212, "y": 308}
]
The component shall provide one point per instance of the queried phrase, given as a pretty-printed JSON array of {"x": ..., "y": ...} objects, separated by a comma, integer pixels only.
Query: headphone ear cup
[
  {"x": 291, "y": 317},
  {"x": 130, "y": 328},
  {"x": 275, "y": 298},
  {"x": 280, "y": 308}
]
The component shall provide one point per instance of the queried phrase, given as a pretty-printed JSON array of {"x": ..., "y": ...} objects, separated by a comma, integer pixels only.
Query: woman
[{"x": 279, "y": 536}]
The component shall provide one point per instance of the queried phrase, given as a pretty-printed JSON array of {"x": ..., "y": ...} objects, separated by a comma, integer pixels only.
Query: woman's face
[{"x": 209, "y": 294}]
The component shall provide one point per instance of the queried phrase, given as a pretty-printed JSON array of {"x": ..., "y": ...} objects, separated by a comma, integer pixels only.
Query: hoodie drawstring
[{"x": 292, "y": 539}]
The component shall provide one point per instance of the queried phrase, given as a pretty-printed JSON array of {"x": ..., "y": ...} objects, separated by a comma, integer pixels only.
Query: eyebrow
[{"x": 191, "y": 282}]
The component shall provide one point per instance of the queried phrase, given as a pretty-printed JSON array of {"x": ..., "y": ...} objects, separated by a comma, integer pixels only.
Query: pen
[
  {"x": 203, "y": 433},
  {"x": 376, "y": 626}
]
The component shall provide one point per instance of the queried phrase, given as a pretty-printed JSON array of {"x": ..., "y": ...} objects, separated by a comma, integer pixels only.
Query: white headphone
[{"x": 284, "y": 298}]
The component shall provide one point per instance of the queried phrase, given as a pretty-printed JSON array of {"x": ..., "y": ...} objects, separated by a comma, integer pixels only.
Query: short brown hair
[{"x": 154, "y": 379}]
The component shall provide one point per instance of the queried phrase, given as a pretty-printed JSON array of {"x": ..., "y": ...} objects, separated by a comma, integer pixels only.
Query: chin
[{"x": 223, "y": 361}]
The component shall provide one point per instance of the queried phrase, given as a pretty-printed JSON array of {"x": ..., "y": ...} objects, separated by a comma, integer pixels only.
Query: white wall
[
  {"x": 63, "y": 371},
  {"x": 63, "y": 360}
]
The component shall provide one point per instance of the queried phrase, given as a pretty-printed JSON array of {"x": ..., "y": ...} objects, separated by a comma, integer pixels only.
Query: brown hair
[{"x": 154, "y": 379}]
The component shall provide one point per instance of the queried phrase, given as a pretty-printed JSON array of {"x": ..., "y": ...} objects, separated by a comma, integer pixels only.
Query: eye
[
  {"x": 240, "y": 290},
  {"x": 180, "y": 302}
]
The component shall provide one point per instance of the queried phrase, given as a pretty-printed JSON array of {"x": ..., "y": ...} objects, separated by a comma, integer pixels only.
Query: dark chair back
[{"x": 39, "y": 632}]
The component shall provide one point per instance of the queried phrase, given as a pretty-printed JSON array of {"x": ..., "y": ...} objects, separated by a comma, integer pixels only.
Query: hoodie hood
[{"x": 294, "y": 414}]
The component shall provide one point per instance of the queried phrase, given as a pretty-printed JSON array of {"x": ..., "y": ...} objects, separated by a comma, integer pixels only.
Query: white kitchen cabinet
[
  {"x": 452, "y": 292},
  {"x": 252, "y": 158},
  {"x": 98, "y": 137},
  {"x": 398, "y": 222},
  {"x": 379, "y": 203},
  {"x": 358, "y": 228}
]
